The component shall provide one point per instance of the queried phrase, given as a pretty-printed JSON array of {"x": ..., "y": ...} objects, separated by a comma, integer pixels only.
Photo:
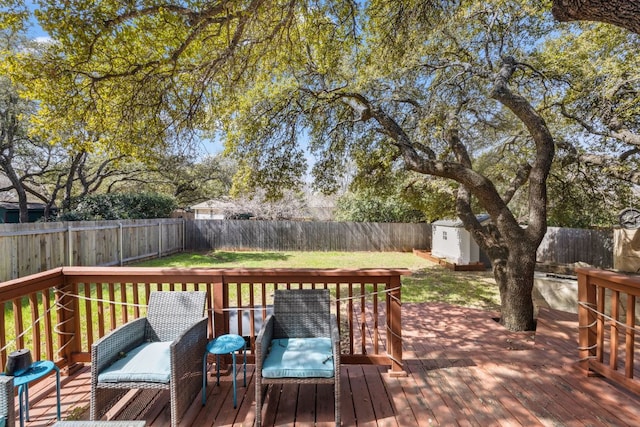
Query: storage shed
[{"x": 451, "y": 242}]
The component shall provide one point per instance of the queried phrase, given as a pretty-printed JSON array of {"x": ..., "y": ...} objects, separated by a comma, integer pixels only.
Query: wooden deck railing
[
  {"x": 607, "y": 312},
  {"x": 59, "y": 313}
]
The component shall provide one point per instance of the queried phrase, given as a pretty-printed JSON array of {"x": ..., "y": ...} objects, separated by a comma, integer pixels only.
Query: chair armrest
[
  {"x": 335, "y": 340},
  {"x": 188, "y": 347},
  {"x": 263, "y": 341},
  {"x": 122, "y": 339},
  {"x": 335, "y": 332},
  {"x": 7, "y": 403}
]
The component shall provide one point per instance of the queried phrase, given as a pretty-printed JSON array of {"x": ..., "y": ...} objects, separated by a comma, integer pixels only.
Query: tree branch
[
  {"x": 623, "y": 13},
  {"x": 545, "y": 148},
  {"x": 616, "y": 130}
]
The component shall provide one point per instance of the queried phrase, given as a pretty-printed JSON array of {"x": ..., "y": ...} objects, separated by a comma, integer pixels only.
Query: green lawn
[{"x": 428, "y": 282}]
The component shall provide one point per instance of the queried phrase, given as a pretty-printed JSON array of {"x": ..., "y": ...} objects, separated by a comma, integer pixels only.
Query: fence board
[
  {"x": 571, "y": 245},
  {"x": 305, "y": 236}
]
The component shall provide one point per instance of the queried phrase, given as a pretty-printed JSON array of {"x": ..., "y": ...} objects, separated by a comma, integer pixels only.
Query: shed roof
[{"x": 457, "y": 223}]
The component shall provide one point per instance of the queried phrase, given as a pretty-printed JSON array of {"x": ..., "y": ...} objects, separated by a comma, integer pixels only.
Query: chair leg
[
  {"x": 336, "y": 392},
  {"x": 258, "y": 422}
]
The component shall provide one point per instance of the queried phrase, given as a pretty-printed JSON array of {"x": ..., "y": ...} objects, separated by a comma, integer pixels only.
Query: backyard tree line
[{"x": 470, "y": 106}]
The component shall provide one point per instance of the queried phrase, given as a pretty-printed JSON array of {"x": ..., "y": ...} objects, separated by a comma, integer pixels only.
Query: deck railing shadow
[{"x": 59, "y": 313}]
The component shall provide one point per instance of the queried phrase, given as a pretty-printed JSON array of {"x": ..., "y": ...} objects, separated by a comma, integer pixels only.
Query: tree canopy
[{"x": 493, "y": 96}]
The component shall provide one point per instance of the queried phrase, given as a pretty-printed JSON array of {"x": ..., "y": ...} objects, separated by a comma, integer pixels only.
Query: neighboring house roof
[
  {"x": 457, "y": 223},
  {"x": 219, "y": 205}
]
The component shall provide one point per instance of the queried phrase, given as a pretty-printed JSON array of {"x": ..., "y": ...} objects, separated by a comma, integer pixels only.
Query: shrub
[{"x": 112, "y": 206}]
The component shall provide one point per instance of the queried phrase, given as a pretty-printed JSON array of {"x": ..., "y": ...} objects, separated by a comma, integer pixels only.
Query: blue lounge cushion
[
  {"x": 299, "y": 358},
  {"x": 149, "y": 362},
  {"x": 3, "y": 422}
]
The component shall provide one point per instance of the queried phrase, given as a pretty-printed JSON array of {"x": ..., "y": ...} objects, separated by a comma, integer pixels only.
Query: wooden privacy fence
[
  {"x": 306, "y": 236},
  {"x": 59, "y": 313},
  {"x": 570, "y": 245},
  {"x": 608, "y": 337},
  {"x": 30, "y": 248},
  {"x": 34, "y": 247}
]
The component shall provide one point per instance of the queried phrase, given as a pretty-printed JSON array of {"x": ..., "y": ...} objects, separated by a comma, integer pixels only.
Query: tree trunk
[{"x": 515, "y": 281}]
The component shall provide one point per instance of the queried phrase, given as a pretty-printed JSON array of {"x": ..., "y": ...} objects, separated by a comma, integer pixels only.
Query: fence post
[
  {"x": 184, "y": 234},
  {"x": 394, "y": 326},
  {"x": 587, "y": 334},
  {"x": 160, "y": 239},
  {"x": 69, "y": 247},
  {"x": 120, "y": 245}
]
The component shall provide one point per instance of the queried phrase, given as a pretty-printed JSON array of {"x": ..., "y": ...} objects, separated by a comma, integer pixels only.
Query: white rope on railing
[
  {"x": 56, "y": 305},
  {"x": 29, "y": 328},
  {"x": 335, "y": 300},
  {"x": 367, "y": 294},
  {"x": 106, "y": 301},
  {"x": 584, "y": 359},
  {"x": 128, "y": 304},
  {"x": 590, "y": 307},
  {"x": 57, "y": 328}
]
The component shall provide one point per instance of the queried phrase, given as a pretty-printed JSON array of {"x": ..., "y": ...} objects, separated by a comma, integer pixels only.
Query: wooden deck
[{"x": 463, "y": 369}]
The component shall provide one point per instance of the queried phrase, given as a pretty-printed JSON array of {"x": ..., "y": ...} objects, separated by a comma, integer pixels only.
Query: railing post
[
  {"x": 220, "y": 306},
  {"x": 394, "y": 326},
  {"x": 630, "y": 335},
  {"x": 587, "y": 334},
  {"x": 68, "y": 325}
]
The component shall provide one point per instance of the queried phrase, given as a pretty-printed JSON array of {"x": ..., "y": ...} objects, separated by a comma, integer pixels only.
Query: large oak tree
[{"x": 455, "y": 90}]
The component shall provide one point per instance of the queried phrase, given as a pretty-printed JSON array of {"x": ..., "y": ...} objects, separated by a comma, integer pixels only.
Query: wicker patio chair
[
  {"x": 161, "y": 351},
  {"x": 7, "y": 402},
  {"x": 298, "y": 314}
]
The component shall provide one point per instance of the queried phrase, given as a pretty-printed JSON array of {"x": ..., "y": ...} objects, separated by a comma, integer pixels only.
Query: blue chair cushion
[
  {"x": 3, "y": 422},
  {"x": 299, "y": 358},
  {"x": 149, "y": 362}
]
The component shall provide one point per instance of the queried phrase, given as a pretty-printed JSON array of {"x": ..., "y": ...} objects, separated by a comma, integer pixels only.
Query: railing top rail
[
  {"x": 318, "y": 272},
  {"x": 630, "y": 282},
  {"x": 57, "y": 276},
  {"x": 613, "y": 276},
  {"x": 236, "y": 272},
  {"x": 34, "y": 282}
]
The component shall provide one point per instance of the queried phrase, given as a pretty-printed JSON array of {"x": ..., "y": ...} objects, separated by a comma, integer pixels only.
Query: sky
[{"x": 35, "y": 31}]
